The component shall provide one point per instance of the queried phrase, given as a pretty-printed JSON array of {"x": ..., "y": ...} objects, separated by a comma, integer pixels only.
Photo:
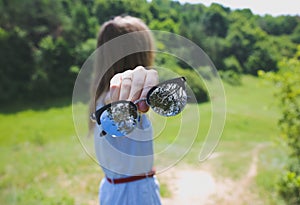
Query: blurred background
[{"x": 44, "y": 43}]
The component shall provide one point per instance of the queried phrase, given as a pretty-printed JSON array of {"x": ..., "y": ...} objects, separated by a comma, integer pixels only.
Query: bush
[
  {"x": 287, "y": 81},
  {"x": 16, "y": 65},
  {"x": 262, "y": 58},
  {"x": 289, "y": 188},
  {"x": 231, "y": 63},
  {"x": 231, "y": 77},
  {"x": 196, "y": 84},
  {"x": 53, "y": 76}
]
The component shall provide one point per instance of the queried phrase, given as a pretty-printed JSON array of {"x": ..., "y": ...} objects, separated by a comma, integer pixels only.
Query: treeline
[{"x": 43, "y": 44}]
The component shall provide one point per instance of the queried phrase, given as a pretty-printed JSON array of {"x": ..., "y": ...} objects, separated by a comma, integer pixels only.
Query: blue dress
[{"x": 121, "y": 157}]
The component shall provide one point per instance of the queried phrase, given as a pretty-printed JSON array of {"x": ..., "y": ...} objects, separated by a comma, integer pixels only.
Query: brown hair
[{"x": 105, "y": 68}]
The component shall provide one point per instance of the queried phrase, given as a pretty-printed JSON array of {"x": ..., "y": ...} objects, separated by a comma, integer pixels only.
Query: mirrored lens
[
  {"x": 168, "y": 99},
  {"x": 119, "y": 119}
]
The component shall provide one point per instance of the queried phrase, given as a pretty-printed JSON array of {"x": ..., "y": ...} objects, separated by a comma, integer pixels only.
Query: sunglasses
[{"x": 121, "y": 117}]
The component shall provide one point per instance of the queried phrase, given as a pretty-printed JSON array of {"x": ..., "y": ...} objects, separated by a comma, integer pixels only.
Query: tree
[
  {"x": 261, "y": 58},
  {"x": 81, "y": 26},
  {"x": 196, "y": 84},
  {"x": 231, "y": 63},
  {"x": 33, "y": 16},
  {"x": 278, "y": 25},
  {"x": 53, "y": 78},
  {"x": 215, "y": 22},
  {"x": 242, "y": 37},
  {"x": 296, "y": 34},
  {"x": 16, "y": 65},
  {"x": 104, "y": 10},
  {"x": 217, "y": 49},
  {"x": 166, "y": 25},
  {"x": 43, "y": 41}
]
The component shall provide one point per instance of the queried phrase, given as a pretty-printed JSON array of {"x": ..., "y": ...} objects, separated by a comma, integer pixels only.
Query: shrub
[
  {"x": 196, "y": 84},
  {"x": 287, "y": 81},
  {"x": 231, "y": 77},
  {"x": 289, "y": 188}
]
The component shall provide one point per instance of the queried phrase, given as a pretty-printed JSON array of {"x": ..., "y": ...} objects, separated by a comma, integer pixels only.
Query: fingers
[
  {"x": 138, "y": 81},
  {"x": 132, "y": 85},
  {"x": 126, "y": 81},
  {"x": 151, "y": 80},
  {"x": 115, "y": 88}
]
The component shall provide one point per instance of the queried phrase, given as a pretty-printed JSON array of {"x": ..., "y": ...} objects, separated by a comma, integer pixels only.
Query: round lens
[
  {"x": 168, "y": 99},
  {"x": 119, "y": 119}
]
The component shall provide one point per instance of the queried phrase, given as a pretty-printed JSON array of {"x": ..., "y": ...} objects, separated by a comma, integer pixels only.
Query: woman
[{"x": 127, "y": 161}]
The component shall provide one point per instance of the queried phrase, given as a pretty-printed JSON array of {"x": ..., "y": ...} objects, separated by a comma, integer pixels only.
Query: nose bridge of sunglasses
[{"x": 140, "y": 100}]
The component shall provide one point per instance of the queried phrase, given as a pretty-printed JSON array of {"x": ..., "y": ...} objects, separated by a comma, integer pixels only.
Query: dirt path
[{"x": 190, "y": 185}]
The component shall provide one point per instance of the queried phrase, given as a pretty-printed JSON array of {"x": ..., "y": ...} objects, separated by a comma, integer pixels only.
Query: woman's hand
[{"x": 132, "y": 85}]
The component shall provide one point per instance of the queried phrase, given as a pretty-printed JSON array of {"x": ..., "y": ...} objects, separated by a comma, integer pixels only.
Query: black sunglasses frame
[{"x": 96, "y": 115}]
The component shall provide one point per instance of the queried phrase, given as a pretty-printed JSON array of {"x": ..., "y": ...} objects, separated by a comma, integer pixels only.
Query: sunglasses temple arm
[{"x": 93, "y": 117}]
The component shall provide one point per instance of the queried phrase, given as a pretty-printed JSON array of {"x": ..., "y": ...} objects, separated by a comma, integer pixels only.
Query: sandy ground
[{"x": 191, "y": 185}]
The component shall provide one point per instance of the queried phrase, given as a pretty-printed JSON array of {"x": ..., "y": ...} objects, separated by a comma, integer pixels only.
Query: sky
[{"x": 261, "y": 7}]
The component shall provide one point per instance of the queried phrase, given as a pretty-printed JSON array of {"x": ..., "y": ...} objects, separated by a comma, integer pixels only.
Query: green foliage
[
  {"x": 48, "y": 41},
  {"x": 289, "y": 188},
  {"x": 287, "y": 81},
  {"x": 33, "y": 16},
  {"x": 231, "y": 63},
  {"x": 242, "y": 36},
  {"x": 104, "y": 10},
  {"x": 231, "y": 77},
  {"x": 57, "y": 70},
  {"x": 165, "y": 25},
  {"x": 83, "y": 50},
  {"x": 278, "y": 25},
  {"x": 217, "y": 48},
  {"x": 83, "y": 26},
  {"x": 16, "y": 70},
  {"x": 193, "y": 78},
  {"x": 296, "y": 34},
  {"x": 215, "y": 22},
  {"x": 164, "y": 190},
  {"x": 261, "y": 58},
  {"x": 283, "y": 44},
  {"x": 196, "y": 84}
]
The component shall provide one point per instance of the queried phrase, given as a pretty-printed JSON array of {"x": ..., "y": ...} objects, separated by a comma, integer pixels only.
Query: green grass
[
  {"x": 42, "y": 161},
  {"x": 37, "y": 127}
]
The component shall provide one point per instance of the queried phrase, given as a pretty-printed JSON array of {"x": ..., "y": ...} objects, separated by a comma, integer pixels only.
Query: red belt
[{"x": 131, "y": 178}]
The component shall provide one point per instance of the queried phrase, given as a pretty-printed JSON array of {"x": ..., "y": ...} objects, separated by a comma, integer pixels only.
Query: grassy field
[{"x": 42, "y": 161}]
